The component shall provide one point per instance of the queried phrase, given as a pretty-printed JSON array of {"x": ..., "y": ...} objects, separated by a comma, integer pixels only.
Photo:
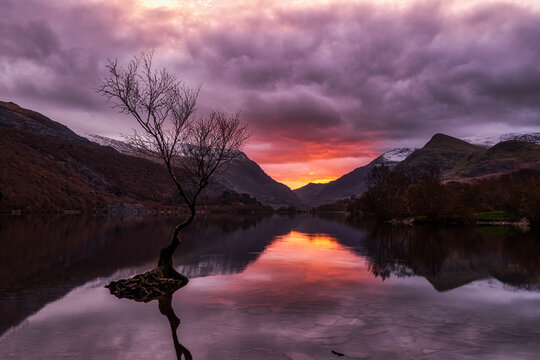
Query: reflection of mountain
[
  {"x": 43, "y": 259},
  {"x": 448, "y": 257},
  {"x": 228, "y": 246},
  {"x": 454, "y": 256}
]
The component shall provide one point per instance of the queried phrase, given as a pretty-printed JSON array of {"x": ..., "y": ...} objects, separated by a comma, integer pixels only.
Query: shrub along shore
[{"x": 417, "y": 196}]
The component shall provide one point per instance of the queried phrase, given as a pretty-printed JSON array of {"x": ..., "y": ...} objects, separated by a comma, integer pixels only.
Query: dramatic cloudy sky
[{"x": 325, "y": 85}]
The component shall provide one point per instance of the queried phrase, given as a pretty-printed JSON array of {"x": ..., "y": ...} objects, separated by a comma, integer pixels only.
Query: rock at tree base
[{"x": 145, "y": 287}]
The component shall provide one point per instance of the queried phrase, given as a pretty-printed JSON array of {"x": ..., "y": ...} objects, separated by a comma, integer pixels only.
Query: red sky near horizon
[{"x": 326, "y": 86}]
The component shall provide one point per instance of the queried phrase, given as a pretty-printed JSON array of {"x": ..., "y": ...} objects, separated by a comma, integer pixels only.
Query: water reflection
[
  {"x": 271, "y": 288},
  {"x": 450, "y": 257},
  {"x": 43, "y": 258},
  {"x": 165, "y": 307}
]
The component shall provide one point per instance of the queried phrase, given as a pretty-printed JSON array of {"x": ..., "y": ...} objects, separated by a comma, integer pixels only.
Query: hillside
[
  {"x": 455, "y": 158},
  {"x": 442, "y": 152},
  {"x": 489, "y": 141},
  {"x": 246, "y": 176},
  {"x": 502, "y": 158},
  {"x": 243, "y": 176},
  {"x": 46, "y": 166}
]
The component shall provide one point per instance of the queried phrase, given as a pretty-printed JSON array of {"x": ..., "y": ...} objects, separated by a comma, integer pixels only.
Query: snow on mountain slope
[
  {"x": 493, "y": 140},
  {"x": 397, "y": 155},
  {"x": 117, "y": 145},
  {"x": 242, "y": 176}
]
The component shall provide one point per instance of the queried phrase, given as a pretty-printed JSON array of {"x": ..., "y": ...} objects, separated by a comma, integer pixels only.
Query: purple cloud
[{"x": 331, "y": 75}]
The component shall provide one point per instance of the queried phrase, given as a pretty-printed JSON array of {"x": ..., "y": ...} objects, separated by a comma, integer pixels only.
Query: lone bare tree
[{"x": 192, "y": 149}]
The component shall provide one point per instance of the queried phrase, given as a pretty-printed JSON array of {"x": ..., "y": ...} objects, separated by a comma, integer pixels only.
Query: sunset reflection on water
[
  {"x": 302, "y": 258},
  {"x": 293, "y": 288}
]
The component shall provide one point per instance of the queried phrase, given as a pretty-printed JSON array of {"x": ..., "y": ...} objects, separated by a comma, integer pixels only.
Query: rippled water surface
[{"x": 275, "y": 287}]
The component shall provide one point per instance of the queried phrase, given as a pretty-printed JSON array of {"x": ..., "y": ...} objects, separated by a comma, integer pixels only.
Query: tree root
[{"x": 148, "y": 286}]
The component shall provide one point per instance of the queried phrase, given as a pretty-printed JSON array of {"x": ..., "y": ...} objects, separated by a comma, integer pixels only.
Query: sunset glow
[
  {"x": 319, "y": 257},
  {"x": 326, "y": 86}
]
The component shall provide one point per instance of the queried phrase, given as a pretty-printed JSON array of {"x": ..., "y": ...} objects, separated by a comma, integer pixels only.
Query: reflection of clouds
[{"x": 303, "y": 297}]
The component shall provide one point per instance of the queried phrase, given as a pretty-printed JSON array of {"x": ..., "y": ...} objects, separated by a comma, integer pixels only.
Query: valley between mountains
[{"x": 47, "y": 167}]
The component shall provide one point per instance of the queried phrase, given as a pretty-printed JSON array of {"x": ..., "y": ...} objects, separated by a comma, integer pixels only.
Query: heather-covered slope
[{"x": 46, "y": 166}]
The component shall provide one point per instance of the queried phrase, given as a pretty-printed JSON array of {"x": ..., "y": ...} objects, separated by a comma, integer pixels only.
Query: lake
[{"x": 269, "y": 287}]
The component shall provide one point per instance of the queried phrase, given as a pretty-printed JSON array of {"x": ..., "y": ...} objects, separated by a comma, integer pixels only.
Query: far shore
[{"x": 137, "y": 210}]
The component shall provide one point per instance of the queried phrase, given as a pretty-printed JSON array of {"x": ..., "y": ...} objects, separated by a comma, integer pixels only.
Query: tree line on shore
[{"x": 420, "y": 195}]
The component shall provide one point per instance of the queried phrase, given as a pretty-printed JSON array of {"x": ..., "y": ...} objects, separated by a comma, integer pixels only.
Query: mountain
[
  {"x": 442, "y": 152},
  {"x": 493, "y": 140},
  {"x": 242, "y": 175},
  {"x": 394, "y": 156},
  {"x": 505, "y": 157},
  {"x": 460, "y": 160},
  {"x": 46, "y": 166},
  {"x": 246, "y": 176},
  {"x": 308, "y": 193},
  {"x": 455, "y": 158},
  {"x": 350, "y": 184},
  {"x": 14, "y": 117}
]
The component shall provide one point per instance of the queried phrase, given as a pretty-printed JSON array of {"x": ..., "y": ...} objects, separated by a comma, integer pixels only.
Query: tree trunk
[{"x": 165, "y": 263}]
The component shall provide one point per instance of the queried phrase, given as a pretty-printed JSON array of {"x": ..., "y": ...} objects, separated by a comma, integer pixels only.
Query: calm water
[{"x": 270, "y": 288}]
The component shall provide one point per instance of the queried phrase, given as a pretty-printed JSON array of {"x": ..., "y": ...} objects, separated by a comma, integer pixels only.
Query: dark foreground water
[{"x": 270, "y": 288}]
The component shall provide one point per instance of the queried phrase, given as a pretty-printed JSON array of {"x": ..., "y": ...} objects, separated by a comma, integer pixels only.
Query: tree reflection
[
  {"x": 450, "y": 257},
  {"x": 122, "y": 289},
  {"x": 165, "y": 307}
]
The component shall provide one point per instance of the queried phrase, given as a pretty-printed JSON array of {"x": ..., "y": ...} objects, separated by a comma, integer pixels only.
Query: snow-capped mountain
[
  {"x": 397, "y": 154},
  {"x": 493, "y": 140},
  {"x": 118, "y": 145},
  {"x": 242, "y": 176}
]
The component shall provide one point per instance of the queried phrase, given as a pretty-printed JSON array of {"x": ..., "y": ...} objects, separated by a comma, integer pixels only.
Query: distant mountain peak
[
  {"x": 488, "y": 141},
  {"x": 15, "y": 117},
  {"x": 443, "y": 140}
]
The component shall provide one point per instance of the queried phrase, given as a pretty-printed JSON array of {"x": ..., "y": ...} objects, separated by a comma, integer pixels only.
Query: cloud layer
[{"x": 326, "y": 85}]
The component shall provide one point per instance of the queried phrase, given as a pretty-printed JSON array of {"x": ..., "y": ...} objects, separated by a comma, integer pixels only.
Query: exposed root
[{"x": 148, "y": 286}]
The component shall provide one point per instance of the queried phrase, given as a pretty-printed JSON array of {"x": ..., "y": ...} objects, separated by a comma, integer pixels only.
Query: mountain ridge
[
  {"x": 455, "y": 158},
  {"x": 46, "y": 166},
  {"x": 242, "y": 175}
]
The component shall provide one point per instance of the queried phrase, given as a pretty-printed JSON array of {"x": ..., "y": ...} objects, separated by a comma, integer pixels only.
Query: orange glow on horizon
[
  {"x": 324, "y": 180},
  {"x": 296, "y": 162},
  {"x": 300, "y": 182},
  {"x": 319, "y": 171}
]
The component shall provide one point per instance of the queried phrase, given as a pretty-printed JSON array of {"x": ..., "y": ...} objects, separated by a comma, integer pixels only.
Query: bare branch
[{"x": 193, "y": 150}]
